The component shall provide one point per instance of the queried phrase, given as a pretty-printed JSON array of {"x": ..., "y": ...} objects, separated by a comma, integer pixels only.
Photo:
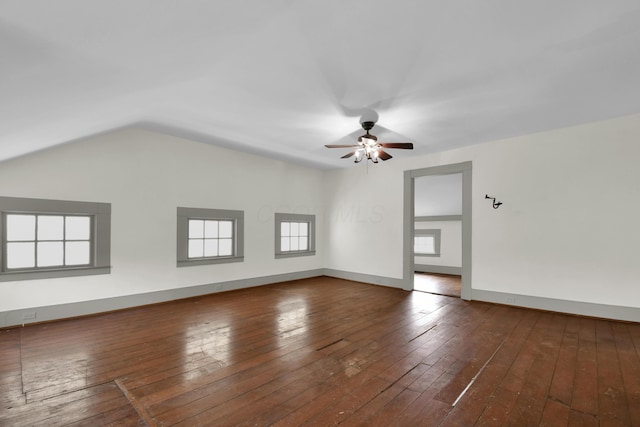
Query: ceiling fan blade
[
  {"x": 404, "y": 145},
  {"x": 346, "y": 156},
  {"x": 341, "y": 145},
  {"x": 383, "y": 155}
]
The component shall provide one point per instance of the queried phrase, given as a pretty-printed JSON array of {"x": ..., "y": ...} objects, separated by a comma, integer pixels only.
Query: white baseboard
[
  {"x": 438, "y": 269},
  {"x": 364, "y": 278},
  {"x": 55, "y": 312},
  {"x": 83, "y": 308},
  {"x": 614, "y": 312}
]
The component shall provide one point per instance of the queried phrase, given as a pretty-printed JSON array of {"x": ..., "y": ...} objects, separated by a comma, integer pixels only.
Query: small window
[
  {"x": 427, "y": 243},
  {"x": 53, "y": 238},
  {"x": 210, "y": 236},
  {"x": 295, "y": 235}
]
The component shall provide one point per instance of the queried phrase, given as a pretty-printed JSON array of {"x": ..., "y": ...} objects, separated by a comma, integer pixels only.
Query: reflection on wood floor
[
  {"x": 440, "y": 284},
  {"x": 322, "y": 352}
]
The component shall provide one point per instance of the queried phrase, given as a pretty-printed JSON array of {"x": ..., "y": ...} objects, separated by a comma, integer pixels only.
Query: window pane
[
  {"x": 196, "y": 228},
  {"x": 77, "y": 253},
  {"x": 226, "y": 229},
  {"x": 424, "y": 245},
  {"x": 226, "y": 247},
  {"x": 294, "y": 244},
  {"x": 429, "y": 245},
  {"x": 295, "y": 229},
  {"x": 211, "y": 247},
  {"x": 196, "y": 249},
  {"x": 50, "y": 227},
  {"x": 21, "y": 227},
  {"x": 284, "y": 244},
  {"x": 284, "y": 229},
  {"x": 77, "y": 228},
  {"x": 304, "y": 244},
  {"x": 210, "y": 229},
  {"x": 50, "y": 254},
  {"x": 304, "y": 229},
  {"x": 21, "y": 255}
]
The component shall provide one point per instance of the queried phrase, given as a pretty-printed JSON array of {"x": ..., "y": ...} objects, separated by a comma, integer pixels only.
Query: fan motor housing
[{"x": 368, "y": 125}]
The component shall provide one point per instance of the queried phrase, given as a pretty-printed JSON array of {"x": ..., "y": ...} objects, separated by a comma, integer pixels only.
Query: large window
[
  {"x": 427, "y": 243},
  {"x": 295, "y": 235},
  {"x": 40, "y": 241},
  {"x": 53, "y": 238},
  {"x": 209, "y": 236}
]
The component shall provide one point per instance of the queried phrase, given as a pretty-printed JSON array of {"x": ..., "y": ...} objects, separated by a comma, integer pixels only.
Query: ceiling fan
[{"x": 368, "y": 146}]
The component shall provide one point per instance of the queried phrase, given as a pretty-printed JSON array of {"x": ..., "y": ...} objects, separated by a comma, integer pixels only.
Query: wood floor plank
[
  {"x": 322, "y": 351},
  {"x": 612, "y": 401},
  {"x": 585, "y": 386},
  {"x": 555, "y": 414},
  {"x": 629, "y": 360},
  {"x": 11, "y": 386}
]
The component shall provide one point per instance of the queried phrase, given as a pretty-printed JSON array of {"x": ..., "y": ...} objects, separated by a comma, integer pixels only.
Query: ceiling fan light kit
[{"x": 369, "y": 148}]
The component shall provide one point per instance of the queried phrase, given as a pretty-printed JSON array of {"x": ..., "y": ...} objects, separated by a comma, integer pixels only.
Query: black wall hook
[{"x": 496, "y": 205}]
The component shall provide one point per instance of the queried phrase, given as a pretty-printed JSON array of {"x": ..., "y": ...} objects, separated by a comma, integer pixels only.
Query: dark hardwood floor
[
  {"x": 441, "y": 284},
  {"x": 322, "y": 352}
]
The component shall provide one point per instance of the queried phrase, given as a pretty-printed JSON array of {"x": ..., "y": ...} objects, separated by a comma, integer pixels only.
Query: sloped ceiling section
[{"x": 283, "y": 78}]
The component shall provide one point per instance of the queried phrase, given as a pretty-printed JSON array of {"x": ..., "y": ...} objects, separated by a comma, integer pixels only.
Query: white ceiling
[{"x": 283, "y": 78}]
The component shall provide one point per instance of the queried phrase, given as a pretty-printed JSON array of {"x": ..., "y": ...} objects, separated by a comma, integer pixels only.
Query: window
[
  {"x": 53, "y": 238},
  {"x": 39, "y": 241},
  {"x": 210, "y": 236},
  {"x": 295, "y": 235},
  {"x": 427, "y": 243}
]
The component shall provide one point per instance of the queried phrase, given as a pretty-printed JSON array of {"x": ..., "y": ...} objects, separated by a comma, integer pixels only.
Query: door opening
[{"x": 437, "y": 230}]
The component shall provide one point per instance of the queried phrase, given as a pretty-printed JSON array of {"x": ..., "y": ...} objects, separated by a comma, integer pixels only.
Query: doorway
[
  {"x": 433, "y": 226},
  {"x": 449, "y": 285}
]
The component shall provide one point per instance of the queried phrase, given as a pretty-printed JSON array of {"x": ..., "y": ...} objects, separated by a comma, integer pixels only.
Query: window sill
[
  {"x": 209, "y": 261},
  {"x": 10, "y": 276},
  {"x": 294, "y": 254}
]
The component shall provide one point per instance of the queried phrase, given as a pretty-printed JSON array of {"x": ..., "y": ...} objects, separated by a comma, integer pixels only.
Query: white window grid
[
  {"x": 44, "y": 241},
  {"x": 210, "y": 238},
  {"x": 294, "y": 236}
]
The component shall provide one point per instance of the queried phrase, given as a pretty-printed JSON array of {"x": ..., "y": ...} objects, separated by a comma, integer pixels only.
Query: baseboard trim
[
  {"x": 438, "y": 269},
  {"x": 62, "y": 311},
  {"x": 26, "y": 316},
  {"x": 629, "y": 314},
  {"x": 364, "y": 278}
]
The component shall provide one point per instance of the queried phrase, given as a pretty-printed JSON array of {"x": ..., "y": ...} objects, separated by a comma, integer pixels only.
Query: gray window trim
[
  {"x": 435, "y": 232},
  {"x": 439, "y": 218},
  {"x": 101, "y": 236},
  {"x": 285, "y": 217},
  {"x": 185, "y": 214}
]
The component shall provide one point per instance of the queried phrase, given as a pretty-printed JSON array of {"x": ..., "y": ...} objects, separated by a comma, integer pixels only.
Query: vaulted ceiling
[{"x": 282, "y": 77}]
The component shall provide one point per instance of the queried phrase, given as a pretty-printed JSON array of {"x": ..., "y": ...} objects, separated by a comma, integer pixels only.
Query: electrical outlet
[{"x": 29, "y": 315}]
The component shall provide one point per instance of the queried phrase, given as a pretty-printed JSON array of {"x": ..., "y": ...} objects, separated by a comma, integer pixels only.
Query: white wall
[
  {"x": 567, "y": 229},
  {"x": 145, "y": 176},
  {"x": 450, "y": 243},
  {"x": 364, "y": 220}
]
